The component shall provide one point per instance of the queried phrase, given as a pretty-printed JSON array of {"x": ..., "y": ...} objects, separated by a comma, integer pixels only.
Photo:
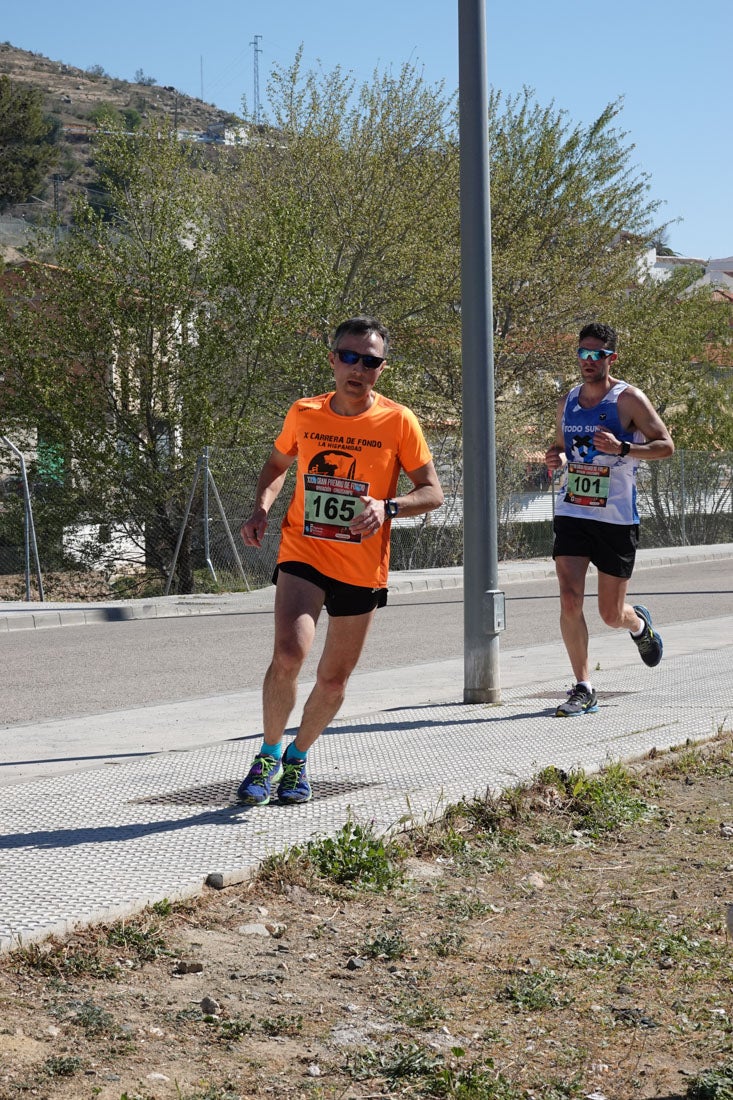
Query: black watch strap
[{"x": 625, "y": 448}]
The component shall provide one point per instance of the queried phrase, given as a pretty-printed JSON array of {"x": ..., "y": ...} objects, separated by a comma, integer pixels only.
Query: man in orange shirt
[{"x": 350, "y": 445}]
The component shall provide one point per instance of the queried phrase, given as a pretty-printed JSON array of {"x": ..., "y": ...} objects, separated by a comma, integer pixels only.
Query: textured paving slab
[{"x": 103, "y": 843}]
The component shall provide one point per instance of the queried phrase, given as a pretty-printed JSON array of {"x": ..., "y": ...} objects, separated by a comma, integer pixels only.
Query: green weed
[
  {"x": 356, "y": 857},
  {"x": 429, "y": 1075},
  {"x": 600, "y": 958},
  {"x": 464, "y": 907},
  {"x": 142, "y": 939},
  {"x": 62, "y": 960},
  {"x": 232, "y": 1030},
  {"x": 419, "y": 1011},
  {"x": 713, "y": 1084},
  {"x": 282, "y": 1025},
  {"x": 62, "y": 1066},
  {"x": 93, "y": 1021},
  {"x": 387, "y": 944},
  {"x": 600, "y": 803},
  {"x": 401, "y": 1061},
  {"x": 447, "y": 943},
  {"x": 533, "y": 992}
]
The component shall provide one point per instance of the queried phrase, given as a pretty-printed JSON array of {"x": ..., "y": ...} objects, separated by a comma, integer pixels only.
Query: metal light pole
[{"x": 483, "y": 602}]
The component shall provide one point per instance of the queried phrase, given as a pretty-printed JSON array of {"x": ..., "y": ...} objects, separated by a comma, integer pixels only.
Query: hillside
[{"x": 71, "y": 97}]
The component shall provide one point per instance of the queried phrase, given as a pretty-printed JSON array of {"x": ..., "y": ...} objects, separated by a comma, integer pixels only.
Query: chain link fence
[{"x": 686, "y": 500}]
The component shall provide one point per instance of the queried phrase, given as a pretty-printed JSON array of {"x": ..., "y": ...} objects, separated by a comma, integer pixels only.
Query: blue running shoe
[
  {"x": 579, "y": 701},
  {"x": 256, "y": 788},
  {"x": 649, "y": 643},
  {"x": 294, "y": 786}
]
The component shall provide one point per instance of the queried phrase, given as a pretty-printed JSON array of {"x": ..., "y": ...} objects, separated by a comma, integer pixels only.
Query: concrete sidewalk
[
  {"x": 19, "y": 615},
  {"x": 101, "y": 843}
]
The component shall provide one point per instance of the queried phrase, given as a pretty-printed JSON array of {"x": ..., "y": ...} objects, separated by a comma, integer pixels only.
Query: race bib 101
[{"x": 588, "y": 485}]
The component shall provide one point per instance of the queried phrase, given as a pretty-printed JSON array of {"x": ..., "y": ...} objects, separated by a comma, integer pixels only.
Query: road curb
[{"x": 37, "y": 616}]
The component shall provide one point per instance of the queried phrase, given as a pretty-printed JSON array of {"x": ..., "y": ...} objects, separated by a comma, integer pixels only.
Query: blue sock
[
  {"x": 275, "y": 751},
  {"x": 295, "y": 754}
]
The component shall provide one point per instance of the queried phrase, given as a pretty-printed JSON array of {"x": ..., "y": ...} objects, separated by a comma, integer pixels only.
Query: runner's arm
[
  {"x": 638, "y": 413},
  {"x": 426, "y": 495},
  {"x": 270, "y": 482}
]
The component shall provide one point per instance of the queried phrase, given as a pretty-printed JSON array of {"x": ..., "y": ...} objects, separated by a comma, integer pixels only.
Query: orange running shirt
[{"x": 339, "y": 460}]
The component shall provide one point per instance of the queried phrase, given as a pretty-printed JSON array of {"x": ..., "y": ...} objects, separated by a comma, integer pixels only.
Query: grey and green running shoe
[
  {"x": 579, "y": 701},
  {"x": 256, "y": 788},
  {"x": 294, "y": 786},
  {"x": 648, "y": 643}
]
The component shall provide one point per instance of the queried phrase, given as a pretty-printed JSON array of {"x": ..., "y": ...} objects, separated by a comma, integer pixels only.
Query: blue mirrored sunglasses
[
  {"x": 586, "y": 353},
  {"x": 351, "y": 358}
]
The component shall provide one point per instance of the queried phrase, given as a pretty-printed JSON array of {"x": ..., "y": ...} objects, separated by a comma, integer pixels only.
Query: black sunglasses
[{"x": 351, "y": 358}]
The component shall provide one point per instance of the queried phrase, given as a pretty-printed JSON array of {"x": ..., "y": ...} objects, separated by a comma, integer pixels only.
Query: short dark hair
[
  {"x": 361, "y": 326},
  {"x": 599, "y": 331}
]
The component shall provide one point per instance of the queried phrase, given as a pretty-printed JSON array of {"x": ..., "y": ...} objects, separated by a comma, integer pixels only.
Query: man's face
[
  {"x": 355, "y": 381},
  {"x": 595, "y": 371}
]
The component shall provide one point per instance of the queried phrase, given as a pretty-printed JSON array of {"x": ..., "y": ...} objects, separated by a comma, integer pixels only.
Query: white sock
[
  {"x": 638, "y": 633},
  {"x": 584, "y": 684}
]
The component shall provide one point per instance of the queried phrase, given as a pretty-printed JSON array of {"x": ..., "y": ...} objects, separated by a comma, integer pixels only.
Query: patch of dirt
[
  {"x": 62, "y": 587},
  {"x": 521, "y": 957}
]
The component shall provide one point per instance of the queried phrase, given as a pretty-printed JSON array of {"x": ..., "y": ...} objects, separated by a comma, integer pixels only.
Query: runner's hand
[
  {"x": 606, "y": 442},
  {"x": 553, "y": 457},
  {"x": 368, "y": 522},
  {"x": 253, "y": 529}
]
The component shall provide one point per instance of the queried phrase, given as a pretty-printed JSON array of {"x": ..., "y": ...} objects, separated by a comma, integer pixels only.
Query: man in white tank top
[{"x": 604, "y": 428}]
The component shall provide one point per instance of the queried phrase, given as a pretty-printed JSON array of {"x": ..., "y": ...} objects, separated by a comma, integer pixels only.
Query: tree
[
  {"x": 355, "y": 191},
  {"x": 674, "y": 344},
  {"x": 27, "y": 151},
  {"x": 102, "y": 347}
]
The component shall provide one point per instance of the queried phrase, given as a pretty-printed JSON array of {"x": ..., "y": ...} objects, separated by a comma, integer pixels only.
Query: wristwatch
[
  {"x": 625, "y": 448},
  {"x": 391, "y": 508}
]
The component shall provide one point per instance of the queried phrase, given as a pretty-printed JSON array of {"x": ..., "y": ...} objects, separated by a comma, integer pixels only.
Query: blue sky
[{"x": 671, "y": 60}]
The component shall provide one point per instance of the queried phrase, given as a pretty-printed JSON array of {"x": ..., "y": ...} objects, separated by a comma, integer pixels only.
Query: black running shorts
[
  {"x": 341, "y": 599},
  {"x": 610, "y": 546}
]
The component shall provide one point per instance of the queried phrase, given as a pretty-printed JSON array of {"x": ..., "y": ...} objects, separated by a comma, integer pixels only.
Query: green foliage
[
  {"x": 132, "y": 118},
  {"x": 281, "y": 1024},
  {"x": 533, "y": 992},
  {"x": 93, "y": 1020},
  {"x": 26, "y": 152},
  {"x": 144, "y": 939},
  {"x": 63, "y": 1065},
  {"x": 447, "y": 943},
  {"x": 142, "y": 78},
  {"x": 400, "y": 1062},
  {"x": 105, "y": 115},
  {"x": 673, "y": 344},
  {"x": 430, "y": 1075},
  {"x": 600, "y": 803},
  {"x": 388, "y": 943},
  {"x": 62, "y": 960},
  {"x": 712, "y": 1084},
  {"x": 356, "y": 857}
]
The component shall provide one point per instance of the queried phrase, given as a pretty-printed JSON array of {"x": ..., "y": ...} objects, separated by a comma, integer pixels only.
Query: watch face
[{"x": 391, "y": 509}]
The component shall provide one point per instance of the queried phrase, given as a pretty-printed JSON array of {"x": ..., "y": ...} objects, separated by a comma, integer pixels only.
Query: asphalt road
[{"x": 74, "y": 671}]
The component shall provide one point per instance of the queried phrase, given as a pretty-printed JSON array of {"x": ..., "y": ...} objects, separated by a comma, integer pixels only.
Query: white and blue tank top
[{"x": 596, "y": 485}]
